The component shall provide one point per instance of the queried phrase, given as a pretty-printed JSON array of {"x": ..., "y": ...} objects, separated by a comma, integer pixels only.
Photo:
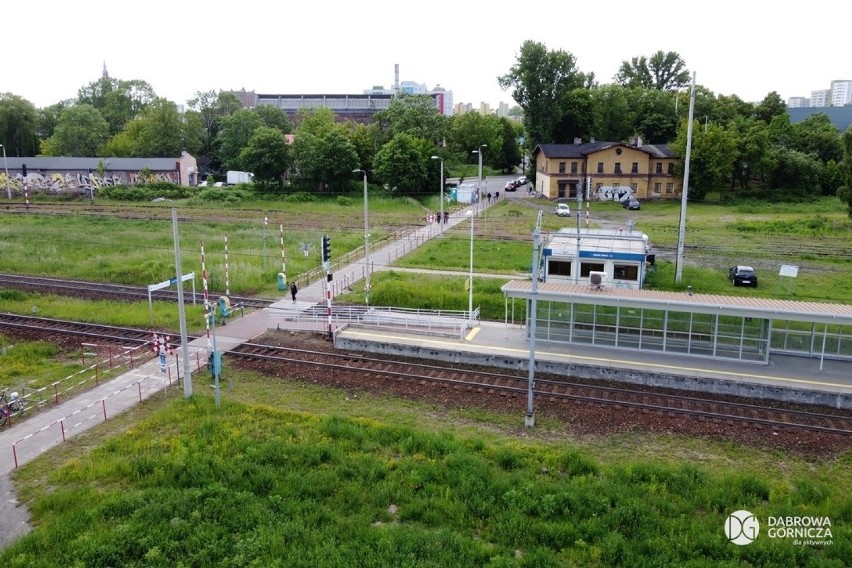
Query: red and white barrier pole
[{"x": 227, "y": 275}]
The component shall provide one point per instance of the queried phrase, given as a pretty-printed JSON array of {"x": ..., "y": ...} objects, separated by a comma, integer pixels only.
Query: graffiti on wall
[{"x": 58, "y": 182}]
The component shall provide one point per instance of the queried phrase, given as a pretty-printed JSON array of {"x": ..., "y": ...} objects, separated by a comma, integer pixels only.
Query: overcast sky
[{"x": 52, "y": 48}]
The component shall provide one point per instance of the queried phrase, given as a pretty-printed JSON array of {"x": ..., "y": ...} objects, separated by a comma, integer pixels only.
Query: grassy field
[
  {"x": 325, "y": 477},
  {"x": 290, "y": 474}
]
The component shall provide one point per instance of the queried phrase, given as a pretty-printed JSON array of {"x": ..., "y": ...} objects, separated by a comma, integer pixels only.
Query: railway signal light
[
  {"x": 24, "y": 170},
  {"x": 326, "y": 248}
]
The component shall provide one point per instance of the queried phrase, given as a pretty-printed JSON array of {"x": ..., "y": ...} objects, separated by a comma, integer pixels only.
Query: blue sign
[
  {"x": 612, "y": 255},
  {"x": 172, "y": 280}
]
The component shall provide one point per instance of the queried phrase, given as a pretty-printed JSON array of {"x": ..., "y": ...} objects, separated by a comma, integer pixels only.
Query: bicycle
[{"x": 10, "y": 405}]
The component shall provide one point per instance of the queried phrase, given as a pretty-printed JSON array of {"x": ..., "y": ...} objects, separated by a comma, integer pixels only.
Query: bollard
[
  {"x": 103, "y": 404},
  {"x": 96, "y": 375},
  {"x": 62, "y": 426},
  {"x": 15, "y": 455},
  {"x": 139, "y": 385},
  {"x": 55, "y": 393}
]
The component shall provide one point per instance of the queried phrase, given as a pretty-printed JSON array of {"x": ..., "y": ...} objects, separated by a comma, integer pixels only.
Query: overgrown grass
[
  {"x": 315, "y": 477},
  {"x": 32, "y": 364},
  {"x": 141, "y": 251}
]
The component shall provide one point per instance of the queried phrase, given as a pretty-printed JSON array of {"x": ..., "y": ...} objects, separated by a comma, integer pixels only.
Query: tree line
[{"x": 738, "y": 147}]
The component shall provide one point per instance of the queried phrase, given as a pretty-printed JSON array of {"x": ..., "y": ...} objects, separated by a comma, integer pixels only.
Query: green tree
[
  {"x": 402, "y": 165},
  {"x": 844, "y": 192},
  {"x": 578, "y": 117},
  {"x": 664, "y": 71},
  {"x": 818, "y": 136},
  {"x": 324, "y": 160},
  {"x": 508, "y": 155},
  {"x": 470, "y": 130},
  {"x": 711, "y": 159},
  {"x": 612, "y": 112},
  {"x": 18, "y": 126},
  {"x": 48, "y": 117},
  {"x": 274, "y": 117},
  {"x": 160, "y": 135},
  {"x": 541, "y": 81},
  {"x": 753, "y": 145},
  {"x": 795, "y": 172},
  {"x": 365, "y": 138},
  {"x": 415, "y": 115},
  {"x": 80, "y": 132},
  {"x": 236, "y": 130},
  {"x": 266, "y": 155},
  {"x": 118, "y": 101},
  {"x": 771, "y": 106},
  {"x": 655, "y": 118}
]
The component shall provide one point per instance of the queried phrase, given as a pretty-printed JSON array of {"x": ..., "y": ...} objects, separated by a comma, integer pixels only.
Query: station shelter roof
[
  {"x": 598, "y": 243},
  {"x": 742, "y": 306}
]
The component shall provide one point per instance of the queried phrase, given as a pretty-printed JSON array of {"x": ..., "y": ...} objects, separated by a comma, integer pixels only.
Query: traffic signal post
[{"x": 326, "y": 262}]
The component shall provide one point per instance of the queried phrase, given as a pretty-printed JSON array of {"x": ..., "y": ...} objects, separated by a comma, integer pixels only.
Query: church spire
[{"x": 106, "y": 73}]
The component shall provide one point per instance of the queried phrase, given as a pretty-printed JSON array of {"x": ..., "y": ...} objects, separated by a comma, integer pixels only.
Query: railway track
[
  {"x": 48, "y": 327},
  {"x": 482, "y": 382},
  {"x": 99, "y": 290},
  {"x": 301, "y": 363}
]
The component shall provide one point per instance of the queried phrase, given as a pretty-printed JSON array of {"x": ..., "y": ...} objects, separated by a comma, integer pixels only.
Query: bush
[
  {"x": 220, "y": 195},
  {"x": 145, "y": 192}
]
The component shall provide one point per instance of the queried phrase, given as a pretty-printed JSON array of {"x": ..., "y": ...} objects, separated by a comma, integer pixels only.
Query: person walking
[{"x": 293, "y": 290}]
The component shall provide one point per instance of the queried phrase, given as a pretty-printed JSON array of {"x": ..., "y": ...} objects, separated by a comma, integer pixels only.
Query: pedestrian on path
[{"x": 293, "y": 290}]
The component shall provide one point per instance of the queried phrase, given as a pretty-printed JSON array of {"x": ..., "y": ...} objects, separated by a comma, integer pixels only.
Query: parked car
[
  {"x": 510, "y": 186},
  {"x": 630, "y": 203},
  {"x": 742, "y": 276},
  {"x": 521, "y": 181},
  {"x": 563, "y": 210}
]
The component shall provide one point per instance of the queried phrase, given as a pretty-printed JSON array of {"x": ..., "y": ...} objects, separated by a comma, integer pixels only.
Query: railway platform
[{"x": 787, "y": 378}]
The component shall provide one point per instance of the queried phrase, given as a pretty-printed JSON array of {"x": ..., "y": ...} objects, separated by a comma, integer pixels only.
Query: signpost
[
  {"x": 165, "y": 284},
  {"x": 787, "y": 271}
]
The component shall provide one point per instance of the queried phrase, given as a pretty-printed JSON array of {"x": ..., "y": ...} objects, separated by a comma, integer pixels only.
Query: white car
[{"x": 563, "y": 210}]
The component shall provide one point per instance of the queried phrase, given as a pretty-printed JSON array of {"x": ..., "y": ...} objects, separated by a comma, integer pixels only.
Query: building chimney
[
  {"x": 591, "y": 140},
  {"x": 578, "y": 141},
  {"x": 638, "y": 141},
  {"x": 396, "y": 79}
]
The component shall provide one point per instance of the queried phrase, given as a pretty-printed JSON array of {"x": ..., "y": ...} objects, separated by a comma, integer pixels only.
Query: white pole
[
  {"x": 441, "y": 218},
  {"x": 187, "y": 373},
  {"x": 682, "y": 230},
  {"x": 366, "y": 245},
  {"x": 470, "y": 287}
]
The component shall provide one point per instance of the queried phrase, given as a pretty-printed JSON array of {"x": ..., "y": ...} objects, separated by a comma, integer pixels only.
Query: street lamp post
[
  {"x": 6, "y": 167},
  {"x": 441, "y": 218},
  {"x": 481, "y": 146},
  {"x": 366, "y": 240},
  {"x": 470, "y": 281}
]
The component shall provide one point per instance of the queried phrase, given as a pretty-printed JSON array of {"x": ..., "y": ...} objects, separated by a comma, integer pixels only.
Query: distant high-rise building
[
  {"x": 798, "y": 102},
  {"x": 841, "y": 93},
  {"x": 820, "y": 98}
]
